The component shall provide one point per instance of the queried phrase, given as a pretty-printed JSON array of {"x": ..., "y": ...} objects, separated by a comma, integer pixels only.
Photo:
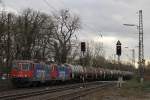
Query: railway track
[
  {"x": 78, "y": 93},
  {"x": 53, "y": 92}
]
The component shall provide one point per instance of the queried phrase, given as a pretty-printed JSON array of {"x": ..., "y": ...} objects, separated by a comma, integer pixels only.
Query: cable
[
  {"x": 50, "y": 6},
  {"x": 91, "y": 28}
]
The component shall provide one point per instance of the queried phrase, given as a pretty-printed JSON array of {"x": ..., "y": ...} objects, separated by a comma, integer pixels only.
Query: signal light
[
  {"x": 118, "y": 48},
  {"x": 83, "y": 47}
]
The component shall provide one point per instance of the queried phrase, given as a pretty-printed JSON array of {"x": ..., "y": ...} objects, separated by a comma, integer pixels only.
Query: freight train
[{"x": 26, "y": 73}]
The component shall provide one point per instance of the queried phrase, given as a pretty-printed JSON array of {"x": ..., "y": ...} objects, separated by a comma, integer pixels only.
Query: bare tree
[
  {"x": 36, "y": 35},
  {"x": 6, "y": 33},
  {"x": 3, "y": 30},
  {"x": 31, "y": 28},
  {"x": 74, "y": 53},
  {"x": 65, "y": 27}
]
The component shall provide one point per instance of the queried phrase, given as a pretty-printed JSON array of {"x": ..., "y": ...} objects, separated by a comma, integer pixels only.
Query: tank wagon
[{"x": 26, "y": 73}]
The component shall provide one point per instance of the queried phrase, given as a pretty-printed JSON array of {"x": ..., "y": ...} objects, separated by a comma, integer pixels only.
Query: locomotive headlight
[{"x": 25, "y": 75}]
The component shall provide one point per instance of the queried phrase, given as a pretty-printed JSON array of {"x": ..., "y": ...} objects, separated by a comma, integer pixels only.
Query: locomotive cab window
[
  {"x": 25, "y": 66},
  {"x": 14, "y": 66}
]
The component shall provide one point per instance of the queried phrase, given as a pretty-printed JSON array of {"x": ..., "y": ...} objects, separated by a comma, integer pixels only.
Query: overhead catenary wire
[
  {"x": 84, "y": 24},
  {"x": 50, "y": 6}
]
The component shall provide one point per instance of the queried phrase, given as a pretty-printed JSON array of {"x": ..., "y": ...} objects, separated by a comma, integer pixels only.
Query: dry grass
[{"x": 131, "y": 90}]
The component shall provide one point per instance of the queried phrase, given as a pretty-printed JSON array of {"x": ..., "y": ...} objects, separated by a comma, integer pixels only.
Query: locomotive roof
[{"x": 24, "y": 61}]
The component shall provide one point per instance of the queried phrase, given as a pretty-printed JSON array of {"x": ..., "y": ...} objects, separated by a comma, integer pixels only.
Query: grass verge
[{"x": 135, "y": 88}]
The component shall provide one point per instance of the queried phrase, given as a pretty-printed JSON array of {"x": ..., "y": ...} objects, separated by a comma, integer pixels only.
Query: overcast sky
[{"x": 104, "y": 17}]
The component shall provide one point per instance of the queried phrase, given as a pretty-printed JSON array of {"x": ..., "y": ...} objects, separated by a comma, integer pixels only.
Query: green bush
[{"x": 4, "y": 69}]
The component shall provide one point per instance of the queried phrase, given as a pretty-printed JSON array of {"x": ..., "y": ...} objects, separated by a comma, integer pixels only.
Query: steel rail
[
  {"x": 27, "y": 93},
  {"x": 75, "y": 94}
]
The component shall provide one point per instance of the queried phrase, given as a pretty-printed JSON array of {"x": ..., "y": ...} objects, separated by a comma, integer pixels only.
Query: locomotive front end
[{"x": 21, "y": 73}]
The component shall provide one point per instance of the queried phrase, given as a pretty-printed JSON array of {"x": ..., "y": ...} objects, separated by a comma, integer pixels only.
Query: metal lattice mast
[
  {"x": 141, "y": 46},
  {"x": 133, "y": 57}
]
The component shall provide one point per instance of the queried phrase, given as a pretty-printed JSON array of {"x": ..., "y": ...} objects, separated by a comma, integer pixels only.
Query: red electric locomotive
[{"x": 22, "y": 72}]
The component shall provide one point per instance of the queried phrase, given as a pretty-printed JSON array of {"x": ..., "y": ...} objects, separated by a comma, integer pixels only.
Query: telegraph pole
[
  {"x": 83, "y": 49},
  {"x": 141, "y": 60},
  {"x": 8, "y": 40}
]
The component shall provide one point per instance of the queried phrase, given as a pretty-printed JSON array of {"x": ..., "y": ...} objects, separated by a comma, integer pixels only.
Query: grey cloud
[{"x": 106, "y": 16}]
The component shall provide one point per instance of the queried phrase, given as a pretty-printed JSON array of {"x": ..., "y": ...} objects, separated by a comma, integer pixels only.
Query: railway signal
[
  {"x": 118, "y": 50},
  {"x": 83, "y": 47}
]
